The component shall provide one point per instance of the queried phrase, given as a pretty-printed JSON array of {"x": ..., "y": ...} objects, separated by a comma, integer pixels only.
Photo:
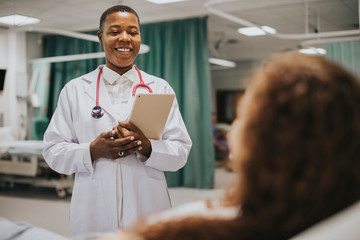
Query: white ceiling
[{"x": 287, "y": 16}]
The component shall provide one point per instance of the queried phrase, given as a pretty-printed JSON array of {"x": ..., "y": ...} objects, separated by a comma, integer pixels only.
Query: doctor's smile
[{"x": 124, "y": 50}]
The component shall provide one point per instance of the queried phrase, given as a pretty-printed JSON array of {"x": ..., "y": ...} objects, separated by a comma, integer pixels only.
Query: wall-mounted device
[{"x": 2, "y": 79}]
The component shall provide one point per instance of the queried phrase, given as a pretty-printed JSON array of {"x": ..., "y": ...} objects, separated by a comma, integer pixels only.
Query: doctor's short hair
[{"x": 114, "y": 9}]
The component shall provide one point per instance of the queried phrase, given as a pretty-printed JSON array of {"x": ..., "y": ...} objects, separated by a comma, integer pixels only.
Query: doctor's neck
[{"x": 119, "y": 70}]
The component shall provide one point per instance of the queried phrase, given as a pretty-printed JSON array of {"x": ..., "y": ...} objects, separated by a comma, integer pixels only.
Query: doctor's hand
[
  {"x": 107, "y": 145},
  {"x": 126, "y": 129}
]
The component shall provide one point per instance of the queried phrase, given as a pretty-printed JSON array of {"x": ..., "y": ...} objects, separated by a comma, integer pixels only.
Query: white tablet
[{"x": 150, "y": 112}]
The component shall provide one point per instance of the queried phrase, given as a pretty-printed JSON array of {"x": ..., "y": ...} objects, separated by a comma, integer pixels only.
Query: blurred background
[{"x": 205, "y": 49}]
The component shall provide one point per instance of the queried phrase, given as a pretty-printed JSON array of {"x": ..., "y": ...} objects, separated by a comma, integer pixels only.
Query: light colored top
[{"x": 119, "y": 89}]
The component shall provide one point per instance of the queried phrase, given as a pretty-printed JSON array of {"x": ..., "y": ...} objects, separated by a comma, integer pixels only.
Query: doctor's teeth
[{"x": 124, "y": 49}]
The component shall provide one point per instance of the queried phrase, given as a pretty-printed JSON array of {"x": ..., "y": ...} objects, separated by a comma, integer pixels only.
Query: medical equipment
[
  {"x": 20, "y": 162},
  {"x": 97, "y": 111}
]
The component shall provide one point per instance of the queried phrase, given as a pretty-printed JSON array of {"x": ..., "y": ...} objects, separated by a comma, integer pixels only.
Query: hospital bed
[{"x": 21, "y": 162}]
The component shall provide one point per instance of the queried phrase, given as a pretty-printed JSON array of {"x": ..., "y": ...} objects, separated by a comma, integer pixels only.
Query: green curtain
[
  {"x": 346, "y": 54},
  {"x": 179, "y": 54},
  {"x": 63, "y": 72},
  {"x": 39, "y": 100}
]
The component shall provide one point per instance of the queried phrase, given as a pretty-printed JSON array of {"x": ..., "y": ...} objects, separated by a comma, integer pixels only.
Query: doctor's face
[{"x": 120, "y": 38}]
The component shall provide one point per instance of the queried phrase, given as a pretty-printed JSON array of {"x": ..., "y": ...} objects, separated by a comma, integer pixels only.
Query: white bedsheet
[
  {"x": 25, "y": 231},
  {"x": 25, "y": 147}
]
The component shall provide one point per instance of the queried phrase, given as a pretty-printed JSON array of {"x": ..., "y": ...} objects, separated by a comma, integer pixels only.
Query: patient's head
[{"x": 296, "y": 142}]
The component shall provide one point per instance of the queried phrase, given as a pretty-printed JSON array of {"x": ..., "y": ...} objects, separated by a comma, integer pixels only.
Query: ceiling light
[
  {"x": 251, "y": 31},
  {"x": 144, "y": 48},
  {"x": 222, "y": 62},
  {"x": 18, "y": 20},
  {"x": 255, "y": 31},
  {"x": 313, "y": 51},
  {"x": 164, "y": 1},
  {"x": 269, "y": 29}
]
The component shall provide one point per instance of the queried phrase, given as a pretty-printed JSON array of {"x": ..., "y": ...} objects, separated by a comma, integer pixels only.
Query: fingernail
[
  {"x": 132, "y": 138},
  {"x": 113, "y": 132},
  {"x": 139, "y": 148},
  {"x": 139, "y": 143}
]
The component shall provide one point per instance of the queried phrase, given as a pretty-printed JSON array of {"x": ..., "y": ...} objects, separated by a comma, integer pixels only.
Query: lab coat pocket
[
  {"x": 88, "y": 211},
  {"x": 157, "y": 196}
]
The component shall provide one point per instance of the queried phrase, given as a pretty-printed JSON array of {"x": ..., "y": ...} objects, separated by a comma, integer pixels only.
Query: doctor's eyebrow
[{"x": 118, "y": 26}]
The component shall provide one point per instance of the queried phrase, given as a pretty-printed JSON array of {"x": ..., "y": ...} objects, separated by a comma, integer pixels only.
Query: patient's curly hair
[
  {"x": 301, "y": 133},
  {"x": 303, "y": 137}
]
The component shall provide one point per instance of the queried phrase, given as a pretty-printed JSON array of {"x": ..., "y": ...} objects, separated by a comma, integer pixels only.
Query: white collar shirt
[{"x": 119, "y": 88}]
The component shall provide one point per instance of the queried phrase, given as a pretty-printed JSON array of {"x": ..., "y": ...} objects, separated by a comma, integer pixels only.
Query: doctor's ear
[{"x": 99, "y": 34}]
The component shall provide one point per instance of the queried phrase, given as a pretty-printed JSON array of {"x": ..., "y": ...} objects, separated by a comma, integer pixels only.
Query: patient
[{"x": 295, "y": 146}]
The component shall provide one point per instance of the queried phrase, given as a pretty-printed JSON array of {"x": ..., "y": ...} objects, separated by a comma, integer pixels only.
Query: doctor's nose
[{"x": 124, "y": 36}]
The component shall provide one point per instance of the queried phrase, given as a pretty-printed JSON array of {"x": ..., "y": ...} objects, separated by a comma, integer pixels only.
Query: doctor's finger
[
  {"x": 123, "y": 151},
  {"x": 128, "y": 125},
  {"x": 120, "y": 142},
  {"x": 123, "y": 131},
  {"x": 108, "y": 134},
  {"x": 134, "y": 130},
  {"x": 121, "y": 147},
  {"x": 134, "y": 145},
  {"x": 117, "y": 133},
  {"x": 129, "y": 150}
]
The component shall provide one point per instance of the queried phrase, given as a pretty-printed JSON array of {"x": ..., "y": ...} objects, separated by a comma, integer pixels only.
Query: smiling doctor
[{"x": 117, "y": 179}]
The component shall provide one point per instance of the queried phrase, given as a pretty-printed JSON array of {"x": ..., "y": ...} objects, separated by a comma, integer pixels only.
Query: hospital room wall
[
  {"x": 231, "y": 79},
  {"x": 13, "y": 107}
]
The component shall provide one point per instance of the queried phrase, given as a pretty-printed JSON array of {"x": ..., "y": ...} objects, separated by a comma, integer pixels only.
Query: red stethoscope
[{"x": 97, "y": 111}]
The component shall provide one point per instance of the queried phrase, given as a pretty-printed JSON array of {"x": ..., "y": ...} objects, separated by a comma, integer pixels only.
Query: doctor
[{"x": 119, "y": 173}]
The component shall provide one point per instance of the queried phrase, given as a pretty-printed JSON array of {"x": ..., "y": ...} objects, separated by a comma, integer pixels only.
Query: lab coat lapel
[{"x": 104, "y": 99}]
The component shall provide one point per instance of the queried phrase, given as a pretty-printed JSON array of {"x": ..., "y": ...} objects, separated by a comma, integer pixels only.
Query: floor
[{"x": 41, "y": 206}]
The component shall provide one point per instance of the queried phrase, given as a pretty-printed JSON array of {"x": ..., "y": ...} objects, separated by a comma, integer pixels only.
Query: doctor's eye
[
  {"x": 133, "y": 33},
  {"x": 114, "y": 33}
]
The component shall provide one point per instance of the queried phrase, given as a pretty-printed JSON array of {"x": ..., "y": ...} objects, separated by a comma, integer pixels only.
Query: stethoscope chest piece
[{"x": 97, "y": 112}]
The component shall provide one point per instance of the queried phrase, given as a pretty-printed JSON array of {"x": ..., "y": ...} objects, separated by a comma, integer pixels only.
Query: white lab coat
[{"x": 67, "y": 138}]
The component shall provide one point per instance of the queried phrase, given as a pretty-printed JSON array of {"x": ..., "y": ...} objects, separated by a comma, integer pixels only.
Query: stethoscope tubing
[{"x": 97, "y": 111}]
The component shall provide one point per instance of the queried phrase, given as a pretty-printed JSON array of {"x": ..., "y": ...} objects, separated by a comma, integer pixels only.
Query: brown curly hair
[{"x": 299, "y": 136}]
